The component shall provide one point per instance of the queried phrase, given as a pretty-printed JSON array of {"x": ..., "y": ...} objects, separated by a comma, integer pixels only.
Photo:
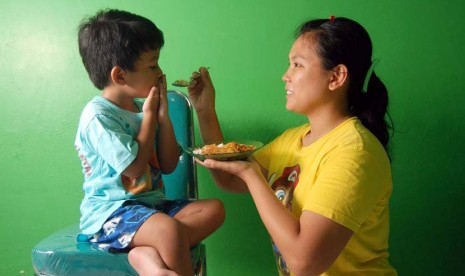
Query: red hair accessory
[{"x": 331, "y": 18}]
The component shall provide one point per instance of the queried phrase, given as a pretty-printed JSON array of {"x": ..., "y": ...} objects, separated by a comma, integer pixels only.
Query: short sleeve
[
  {"x": 279, "y": 147},
  {"x": 109, "y": 140},
  {"x": 263, "y": 155}
]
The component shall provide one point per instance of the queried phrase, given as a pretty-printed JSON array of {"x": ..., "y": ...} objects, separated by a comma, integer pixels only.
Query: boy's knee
[
  {"x": 139, "y": 255},
  {"x": 217, "y": 207},
  {"x": 175, "y": 230},
  {"x": 221, "y": 207},
  {"x": 167, "y": 229}
]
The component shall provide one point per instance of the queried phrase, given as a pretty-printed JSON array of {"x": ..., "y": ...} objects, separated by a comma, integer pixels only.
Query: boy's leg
[
  {"x": 201, "y": 218},
  {"x": 169, "y": 239},
  {"x": 146, "y": 261}
]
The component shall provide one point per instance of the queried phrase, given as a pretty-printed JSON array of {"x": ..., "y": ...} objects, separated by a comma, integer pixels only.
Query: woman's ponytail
[{"x": 371, "y": 108}]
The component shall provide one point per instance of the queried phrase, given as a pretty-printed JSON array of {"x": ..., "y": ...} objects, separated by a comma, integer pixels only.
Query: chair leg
[{"x": 201, "y": 267}]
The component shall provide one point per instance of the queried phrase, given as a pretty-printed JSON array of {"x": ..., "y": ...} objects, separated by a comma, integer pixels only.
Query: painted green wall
[{"x": 44, "y": 87}]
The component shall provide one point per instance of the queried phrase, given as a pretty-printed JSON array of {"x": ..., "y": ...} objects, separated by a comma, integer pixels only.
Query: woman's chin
[{"x": 289, "y": 106}]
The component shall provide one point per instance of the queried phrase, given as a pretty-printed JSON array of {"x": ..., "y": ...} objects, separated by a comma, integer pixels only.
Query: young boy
[{"x": 125, "y": 145}]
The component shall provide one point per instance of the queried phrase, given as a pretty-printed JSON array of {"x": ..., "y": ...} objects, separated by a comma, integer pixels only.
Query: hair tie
[
  {"x": 331, "y": 18},
  {"x": 368, "y": 75}
]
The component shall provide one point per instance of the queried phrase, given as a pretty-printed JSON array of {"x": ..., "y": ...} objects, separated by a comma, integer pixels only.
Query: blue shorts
[{"x": 121, "y": 226}]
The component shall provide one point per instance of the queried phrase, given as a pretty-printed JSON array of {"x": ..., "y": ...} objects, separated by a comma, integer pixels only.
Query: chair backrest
[{"x": 182, "y": 182}]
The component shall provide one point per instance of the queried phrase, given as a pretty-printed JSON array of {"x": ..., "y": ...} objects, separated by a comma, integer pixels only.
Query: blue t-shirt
[{"x": 106, "y": 145}]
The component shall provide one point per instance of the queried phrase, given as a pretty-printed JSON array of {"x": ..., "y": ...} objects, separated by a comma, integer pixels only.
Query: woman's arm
[
  {"x": 309, "y": 244},
  {"x": 202, "y": 97}
]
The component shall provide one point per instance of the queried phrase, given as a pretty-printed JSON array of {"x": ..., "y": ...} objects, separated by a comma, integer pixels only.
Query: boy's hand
[
  {"x": 162, "y": 115},
  {"x": 150, "y": 107}
]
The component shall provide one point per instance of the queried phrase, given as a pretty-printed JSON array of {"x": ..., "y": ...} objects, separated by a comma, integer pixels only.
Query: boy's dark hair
[
  {"x": 343, "y": 41},
  {"x": 115, "y": 38}
]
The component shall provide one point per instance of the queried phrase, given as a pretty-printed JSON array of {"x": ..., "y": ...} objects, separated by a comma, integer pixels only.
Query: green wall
[{"x": 44, "y": 87}]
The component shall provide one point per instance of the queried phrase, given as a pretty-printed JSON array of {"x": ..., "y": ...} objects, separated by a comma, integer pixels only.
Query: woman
[{"x": 322, "y": 189}]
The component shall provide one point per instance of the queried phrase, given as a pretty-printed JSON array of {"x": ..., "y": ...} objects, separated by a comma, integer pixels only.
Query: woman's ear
[
  {"x": 118, "y": 75},
  {"x": 338, "y": 77}
]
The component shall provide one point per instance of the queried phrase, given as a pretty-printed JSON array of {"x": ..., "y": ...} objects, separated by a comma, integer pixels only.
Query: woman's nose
[{"x": 285, "y": 77}]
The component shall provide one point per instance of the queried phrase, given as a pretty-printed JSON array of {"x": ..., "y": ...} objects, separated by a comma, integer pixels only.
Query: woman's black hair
[
  {"x": 115, "y": 38},
  {"x": 343, "y": 41}
]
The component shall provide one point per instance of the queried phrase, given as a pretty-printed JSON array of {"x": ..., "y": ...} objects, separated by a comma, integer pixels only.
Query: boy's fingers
[
  {"x": 163, "y": 82},
  {"x": 151, "y": 92},
  {"x": 154, "y": 95}
]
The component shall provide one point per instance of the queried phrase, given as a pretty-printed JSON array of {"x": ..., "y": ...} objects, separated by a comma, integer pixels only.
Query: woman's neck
[{"x": 322, "y": 124}]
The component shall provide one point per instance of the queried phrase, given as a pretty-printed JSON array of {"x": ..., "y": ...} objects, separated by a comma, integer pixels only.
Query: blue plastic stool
[{"x": 60, "y": 254}]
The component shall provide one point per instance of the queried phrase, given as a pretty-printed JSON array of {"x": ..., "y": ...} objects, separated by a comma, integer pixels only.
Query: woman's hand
[
  {"x": 242, "y": 169},
  {"x": 201, "y": 91}
]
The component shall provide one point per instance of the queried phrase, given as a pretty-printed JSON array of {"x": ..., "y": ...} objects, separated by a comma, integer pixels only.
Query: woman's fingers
[{"x": 232, "y": 167}]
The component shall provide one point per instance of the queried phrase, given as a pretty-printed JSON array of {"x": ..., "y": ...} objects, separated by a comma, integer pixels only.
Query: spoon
[{"x": 185, "y": 83}]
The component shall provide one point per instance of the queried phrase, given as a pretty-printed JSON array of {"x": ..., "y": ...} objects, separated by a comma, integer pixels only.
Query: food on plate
[{"x": 231, "y": 147}]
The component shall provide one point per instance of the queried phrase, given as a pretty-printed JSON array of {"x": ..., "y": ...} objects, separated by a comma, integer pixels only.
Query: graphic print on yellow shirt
[
  {"x": 144, "y": 183},
  {"x": 283, "y": 188}
]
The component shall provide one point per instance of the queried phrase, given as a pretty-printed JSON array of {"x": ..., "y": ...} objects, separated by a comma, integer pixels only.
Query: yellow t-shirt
[{"x": 344, "y": 176}]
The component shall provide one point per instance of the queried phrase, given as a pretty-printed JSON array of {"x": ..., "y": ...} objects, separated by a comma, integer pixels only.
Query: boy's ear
[
  {"x": 338, "y": 77},
  {"x": 118, "y": 75}
]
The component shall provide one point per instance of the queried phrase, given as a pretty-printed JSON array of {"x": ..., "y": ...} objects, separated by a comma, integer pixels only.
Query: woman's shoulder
[
  {"x": 364, "y": 136},
  {"x": 353, "y": 136},
  {"x": 352, "y": 132}
]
